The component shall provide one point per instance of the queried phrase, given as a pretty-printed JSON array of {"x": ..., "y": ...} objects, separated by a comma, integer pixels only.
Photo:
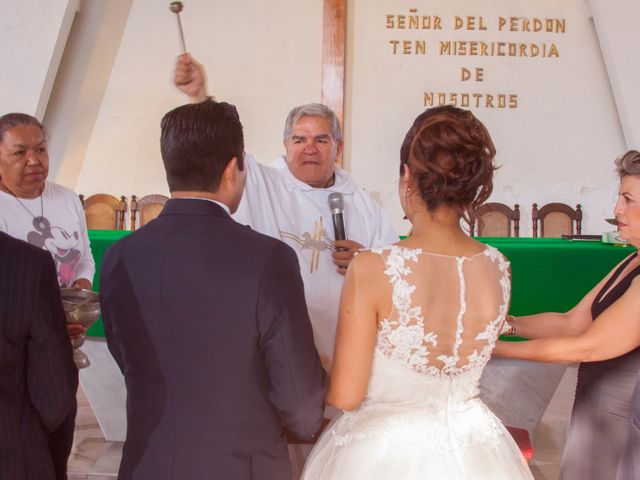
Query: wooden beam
[{"x": 333, "y": 47}]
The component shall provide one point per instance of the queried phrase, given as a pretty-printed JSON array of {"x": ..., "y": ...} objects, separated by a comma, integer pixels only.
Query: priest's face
[{"x": 312, "y": 151}]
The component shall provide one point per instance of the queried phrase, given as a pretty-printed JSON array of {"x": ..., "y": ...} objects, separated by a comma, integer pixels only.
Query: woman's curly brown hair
[{"x": 450, "y": 157}]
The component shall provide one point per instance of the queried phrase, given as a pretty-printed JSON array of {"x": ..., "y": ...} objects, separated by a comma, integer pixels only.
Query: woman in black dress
[{"x": 603, "y": 332}]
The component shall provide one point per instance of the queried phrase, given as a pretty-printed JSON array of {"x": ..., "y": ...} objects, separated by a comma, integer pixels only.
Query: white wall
[
  {"x": 265, "y": 57},
  {"x": 558, "y": 145},
  {"x": 76, "y": 98},
  {"x": 34, "y": 33},
  {"x": 616, "y": 22}
]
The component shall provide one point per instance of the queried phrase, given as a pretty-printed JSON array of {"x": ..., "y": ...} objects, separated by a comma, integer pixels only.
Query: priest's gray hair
[
  {"x": 313, "y": 110},
  {"x": 628, "y": 164}
]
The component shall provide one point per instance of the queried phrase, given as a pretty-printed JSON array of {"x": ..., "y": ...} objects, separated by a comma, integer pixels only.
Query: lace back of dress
[{"x": 447, "y": 311}]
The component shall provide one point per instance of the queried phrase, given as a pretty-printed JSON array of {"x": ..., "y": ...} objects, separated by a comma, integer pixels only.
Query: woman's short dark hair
[
  {"x": 197, "y": 143},
  {"x": 450, "y": 157},
  {"x": 11, "y": 120}
]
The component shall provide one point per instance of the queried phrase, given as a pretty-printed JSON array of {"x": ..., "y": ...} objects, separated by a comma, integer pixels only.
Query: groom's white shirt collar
[{"x": 224, "y": 206}]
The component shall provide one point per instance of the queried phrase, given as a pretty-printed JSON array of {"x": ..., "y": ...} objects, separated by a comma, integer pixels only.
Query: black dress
[
  {"x": 599, "y": 421},
  {"x": 629, "y": 467}
]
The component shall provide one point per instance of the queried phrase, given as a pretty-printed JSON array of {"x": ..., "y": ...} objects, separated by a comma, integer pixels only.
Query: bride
[{"x": 418, "y": 322}]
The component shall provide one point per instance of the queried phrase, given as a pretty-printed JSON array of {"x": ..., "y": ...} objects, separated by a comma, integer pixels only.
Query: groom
[{"x": 207, "y": 320}]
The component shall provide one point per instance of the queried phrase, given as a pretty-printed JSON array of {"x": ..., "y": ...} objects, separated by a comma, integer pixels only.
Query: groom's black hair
[{"x": 197, "y": 143}]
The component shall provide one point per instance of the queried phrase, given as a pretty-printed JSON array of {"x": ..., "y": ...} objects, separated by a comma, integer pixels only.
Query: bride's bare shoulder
[{"x": 368, "y": 262}]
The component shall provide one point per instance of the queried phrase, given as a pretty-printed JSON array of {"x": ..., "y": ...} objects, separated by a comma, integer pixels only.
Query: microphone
[{"x": 336, "y": 205}]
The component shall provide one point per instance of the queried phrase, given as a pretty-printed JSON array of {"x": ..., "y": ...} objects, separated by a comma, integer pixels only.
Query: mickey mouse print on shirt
[{"x": 63, "y": 246}]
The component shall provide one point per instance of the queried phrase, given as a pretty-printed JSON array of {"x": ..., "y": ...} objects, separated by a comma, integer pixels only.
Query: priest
[{"x": 289, "y": 200}]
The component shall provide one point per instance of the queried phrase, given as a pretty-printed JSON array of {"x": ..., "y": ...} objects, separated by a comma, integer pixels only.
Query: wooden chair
[
  {"x": 145, "y": 209},
  {"x": 556, "y": 219},
  {"x": 496, "y": 220},
  {"x": 104, "y": 211}
]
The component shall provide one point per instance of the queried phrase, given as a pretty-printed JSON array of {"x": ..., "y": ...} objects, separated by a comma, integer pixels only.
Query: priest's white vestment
[{"x": 279, "y": 205}]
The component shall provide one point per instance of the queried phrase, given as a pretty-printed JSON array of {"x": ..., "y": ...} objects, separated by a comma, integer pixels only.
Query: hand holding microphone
[
  {"x": 344, "y": 249},
  {"x": 336, "y": 205}
]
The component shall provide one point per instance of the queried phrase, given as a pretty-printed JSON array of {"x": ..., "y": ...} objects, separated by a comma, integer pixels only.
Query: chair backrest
[
  {"x": 145, "y": 209},
  {"x": 495, "y": 219},
  {"x": 556, "y": 219},
  {"x": 104, "y": 211}
]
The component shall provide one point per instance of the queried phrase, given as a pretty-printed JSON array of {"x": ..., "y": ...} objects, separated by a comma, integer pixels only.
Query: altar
[{"x": 547, "y": 275}]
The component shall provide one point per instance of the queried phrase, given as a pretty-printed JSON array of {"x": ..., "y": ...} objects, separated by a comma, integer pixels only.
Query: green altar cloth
[
  {"x": 551, "y": 274},
  {"x": 548, "y": 274},
  {"x": 100, "y": 240}
]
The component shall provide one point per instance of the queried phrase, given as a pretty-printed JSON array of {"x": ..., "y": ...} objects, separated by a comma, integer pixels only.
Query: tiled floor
[
  {"x": 94, "y": 458},
  {"x": 552, "y": 431}
]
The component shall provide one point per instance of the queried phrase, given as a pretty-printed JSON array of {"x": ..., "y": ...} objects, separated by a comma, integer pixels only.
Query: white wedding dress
[{"x": 422, "y": 418}]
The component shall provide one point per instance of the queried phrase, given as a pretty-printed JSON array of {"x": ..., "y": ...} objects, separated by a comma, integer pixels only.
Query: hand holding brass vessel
[{"x": 81, "y": 307}]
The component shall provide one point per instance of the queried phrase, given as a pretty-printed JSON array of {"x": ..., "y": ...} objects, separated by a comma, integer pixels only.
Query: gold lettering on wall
[
  {"x": 477, "y": 74},
  {"x": 507, "y": 43},
  {"x": 408, "y": 47},
  {"x": 469, "y": 23},
  {"x": 520, "y": 24},
  {"x": 471, "y": 48},
  {"x": 470, "y": 100},
  {"x": 413, "y": 21}
]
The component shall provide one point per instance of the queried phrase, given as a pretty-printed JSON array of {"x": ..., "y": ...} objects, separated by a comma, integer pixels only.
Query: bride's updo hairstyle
[{"x": 450, "y": 157}]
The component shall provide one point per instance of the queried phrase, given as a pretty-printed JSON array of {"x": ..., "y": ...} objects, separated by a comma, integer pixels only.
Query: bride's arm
[
  {"x": 356, "y": 335},
  {"x": 615, "y": 332}
]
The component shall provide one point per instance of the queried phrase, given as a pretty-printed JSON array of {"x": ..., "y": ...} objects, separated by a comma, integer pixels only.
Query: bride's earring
[{"x": 404, "y": 201}]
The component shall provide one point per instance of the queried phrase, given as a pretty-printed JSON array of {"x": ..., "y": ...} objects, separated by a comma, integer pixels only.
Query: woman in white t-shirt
[
  {"x": 51, "y": 217},
  {"x": 37, "y": 211}
]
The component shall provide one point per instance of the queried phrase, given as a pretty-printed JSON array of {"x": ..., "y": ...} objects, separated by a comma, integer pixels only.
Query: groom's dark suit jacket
[
  {"x": 38, "y": 379},
  {"x": 208, "y": 322}
]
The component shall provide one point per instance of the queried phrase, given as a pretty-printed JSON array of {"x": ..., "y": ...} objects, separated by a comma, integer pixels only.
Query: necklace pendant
[{"x": 40, "y": 223}]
